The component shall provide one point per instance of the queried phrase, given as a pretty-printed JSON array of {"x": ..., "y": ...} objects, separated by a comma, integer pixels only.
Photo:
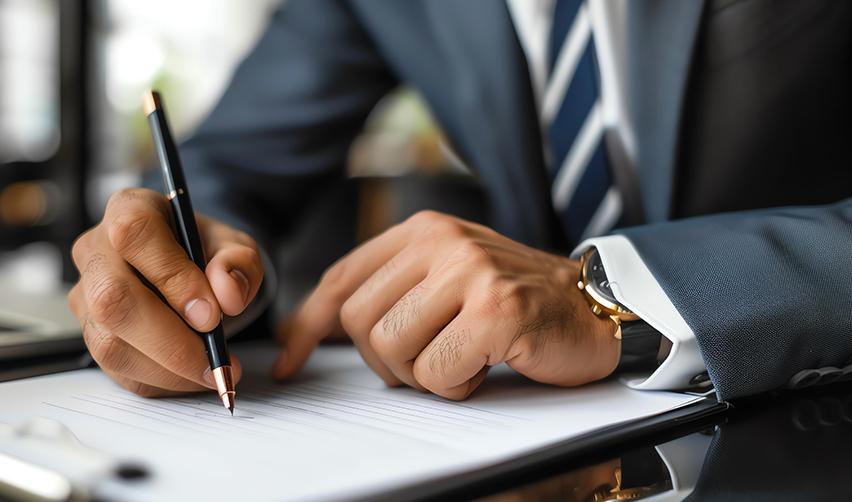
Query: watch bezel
[{"x": 595, "y": 297}]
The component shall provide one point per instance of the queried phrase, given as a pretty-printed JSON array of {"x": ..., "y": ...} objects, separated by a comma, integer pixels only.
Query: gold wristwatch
[
  {"x": 642, "y": 346},
  {"x": 598, "y": 292}
]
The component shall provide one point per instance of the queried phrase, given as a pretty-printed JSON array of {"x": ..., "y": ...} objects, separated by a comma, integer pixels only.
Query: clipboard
[
  {"x": 577, "y": 451},
  {"x": 339, "y": 417}
]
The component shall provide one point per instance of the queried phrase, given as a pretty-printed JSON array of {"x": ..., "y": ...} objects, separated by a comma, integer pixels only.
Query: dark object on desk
[
  {"x": 14, "y": 369},
  {"x": 189, "y": 238},
  {"x": 36, "y": 325}
]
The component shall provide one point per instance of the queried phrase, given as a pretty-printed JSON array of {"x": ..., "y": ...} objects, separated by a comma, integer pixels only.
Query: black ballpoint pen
[{"x": 188, "y": 236}]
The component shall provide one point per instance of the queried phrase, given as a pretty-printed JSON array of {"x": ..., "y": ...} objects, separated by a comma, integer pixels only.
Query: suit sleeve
[
  {"x": 635, "y": 287},
  {"x": 767, "y": 294},
  {"x": 281, "y": 132}
]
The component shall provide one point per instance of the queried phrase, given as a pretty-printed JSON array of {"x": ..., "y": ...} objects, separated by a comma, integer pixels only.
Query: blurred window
[
  {"x": 188, "y": 54},
  {"x": 29, "y": 79}
]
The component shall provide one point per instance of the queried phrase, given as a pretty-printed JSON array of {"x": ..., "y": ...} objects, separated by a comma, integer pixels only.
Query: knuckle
[
  {"x": 380, "y": 342},
  {"x": 104, "y": 347},
  {"x": 127, "y": 231},
  {"x": 425, "y": 375},
  {"x": 425, "y": 217},
  {"x": 350, "y": 320},
  {"x": 111, "y": 302},
  {"x": 446, "y": 229},
  {"x": 441, "y": 226},
  {"x": 475, "y": 255},
  {"x": 250, "y": 256},
  {"x": 121, "y": 196},
  {"x": 504, "y": 299},
  {"x": 125, "y": 198},
  {"x": 80, "y": 244},
  {"x": 331, "y": 281},
  {"x": 131, "y": 194},
  {"x": 95, "y": 263}
]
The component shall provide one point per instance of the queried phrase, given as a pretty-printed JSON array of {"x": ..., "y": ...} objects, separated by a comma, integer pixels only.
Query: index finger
[
  {"x": 138, "y": 228},
  {"x": 118, "y": 301},
  {"x": 319, "y": 314}
]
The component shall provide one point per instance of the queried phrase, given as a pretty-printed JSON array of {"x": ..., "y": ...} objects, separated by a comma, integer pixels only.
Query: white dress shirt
[{"x": 632, "y": 283}]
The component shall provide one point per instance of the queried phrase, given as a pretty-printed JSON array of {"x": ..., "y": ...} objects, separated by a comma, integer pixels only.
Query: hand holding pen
[
  {"x": 149, "y": 342},
  {"x": 177, "y": 192}
]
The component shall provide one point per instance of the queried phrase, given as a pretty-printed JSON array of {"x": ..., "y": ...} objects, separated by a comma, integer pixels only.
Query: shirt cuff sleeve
[{"x": 636, "y": 288}]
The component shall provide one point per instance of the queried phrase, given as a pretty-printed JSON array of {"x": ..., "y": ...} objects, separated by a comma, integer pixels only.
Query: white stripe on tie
[
  {"x": 563, "y": 69},
  {"x": 578, "y": 157}
]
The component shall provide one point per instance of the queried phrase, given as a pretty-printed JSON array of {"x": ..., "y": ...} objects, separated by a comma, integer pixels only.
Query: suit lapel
[
  {"x": 499, "y": 132},
  {"x": 661, "y": 36}
]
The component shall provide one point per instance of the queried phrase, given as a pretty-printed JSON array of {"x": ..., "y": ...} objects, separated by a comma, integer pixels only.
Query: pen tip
[{"x": 229, "y": 401}]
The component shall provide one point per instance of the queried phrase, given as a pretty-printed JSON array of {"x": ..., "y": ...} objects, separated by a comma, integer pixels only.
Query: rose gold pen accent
[
  {"x": 149, "y": 103},
  {"x": 224, "y": 378}
]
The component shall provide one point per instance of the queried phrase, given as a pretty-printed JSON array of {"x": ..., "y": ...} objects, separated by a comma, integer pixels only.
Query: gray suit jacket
[{"x": 738, "y": 107}]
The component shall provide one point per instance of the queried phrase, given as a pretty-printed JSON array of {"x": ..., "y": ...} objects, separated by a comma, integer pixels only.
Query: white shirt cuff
[{"x": 636, "y": 288}]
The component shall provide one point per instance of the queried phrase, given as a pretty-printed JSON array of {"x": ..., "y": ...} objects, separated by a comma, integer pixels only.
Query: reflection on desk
[{"x": 794, "y": 447}]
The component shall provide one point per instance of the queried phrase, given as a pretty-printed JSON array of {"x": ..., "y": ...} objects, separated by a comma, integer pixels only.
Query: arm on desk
[{"x": 767, "y": 293}]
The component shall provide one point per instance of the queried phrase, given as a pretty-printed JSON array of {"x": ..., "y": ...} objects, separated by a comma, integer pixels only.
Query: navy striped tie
[{"x": 585, "y": 200}]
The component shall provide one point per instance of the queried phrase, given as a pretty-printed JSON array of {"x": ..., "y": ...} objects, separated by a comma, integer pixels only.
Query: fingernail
[
  {"x": 198, "y": 312},
  {"x": 242, "y": 282}
]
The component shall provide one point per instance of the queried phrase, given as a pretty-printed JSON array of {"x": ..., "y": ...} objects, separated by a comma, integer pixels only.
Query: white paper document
[{"x": 334, "y": 433}]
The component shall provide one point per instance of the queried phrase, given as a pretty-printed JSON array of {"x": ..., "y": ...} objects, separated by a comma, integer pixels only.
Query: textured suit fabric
[
  {"x": 766, "y": 292},
  {"x": 280, "y": 134},
  {"x": 766, "y": 124}
]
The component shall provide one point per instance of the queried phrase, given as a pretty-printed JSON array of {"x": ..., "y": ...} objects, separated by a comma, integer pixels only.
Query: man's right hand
[{"x": 138, "y": 340}]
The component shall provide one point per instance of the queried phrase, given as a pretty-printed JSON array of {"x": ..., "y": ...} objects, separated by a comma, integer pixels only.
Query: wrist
[
  {"x": 599, "y": 331},
  {"x": 608, "y": 347},
  {"x": 640, "y": 343}
]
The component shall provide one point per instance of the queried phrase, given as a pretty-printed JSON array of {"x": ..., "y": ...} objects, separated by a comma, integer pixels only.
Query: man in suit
[{"x": 712, "y": 135}]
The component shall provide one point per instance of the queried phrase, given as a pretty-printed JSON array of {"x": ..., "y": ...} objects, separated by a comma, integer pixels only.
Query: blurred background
[{"x": 72, "y": 131}]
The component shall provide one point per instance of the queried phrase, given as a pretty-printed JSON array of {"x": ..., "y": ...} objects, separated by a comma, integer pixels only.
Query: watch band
[
  {"x": 641, "y": 344},
  {"x": 640, "y": 347}
]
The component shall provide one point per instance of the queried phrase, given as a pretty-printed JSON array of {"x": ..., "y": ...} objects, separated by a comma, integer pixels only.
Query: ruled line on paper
[{"x": 272, "y": 410}]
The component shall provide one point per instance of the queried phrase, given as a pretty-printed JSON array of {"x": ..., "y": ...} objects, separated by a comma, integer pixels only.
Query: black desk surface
[{"x": 787, "y": 446}]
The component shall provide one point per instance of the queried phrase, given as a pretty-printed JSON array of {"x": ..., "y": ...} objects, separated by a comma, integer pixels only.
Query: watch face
[{"x": 596, "y": 276}]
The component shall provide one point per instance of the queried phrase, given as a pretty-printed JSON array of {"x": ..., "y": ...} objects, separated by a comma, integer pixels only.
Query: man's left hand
[{"x": 435, "y": 301}]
